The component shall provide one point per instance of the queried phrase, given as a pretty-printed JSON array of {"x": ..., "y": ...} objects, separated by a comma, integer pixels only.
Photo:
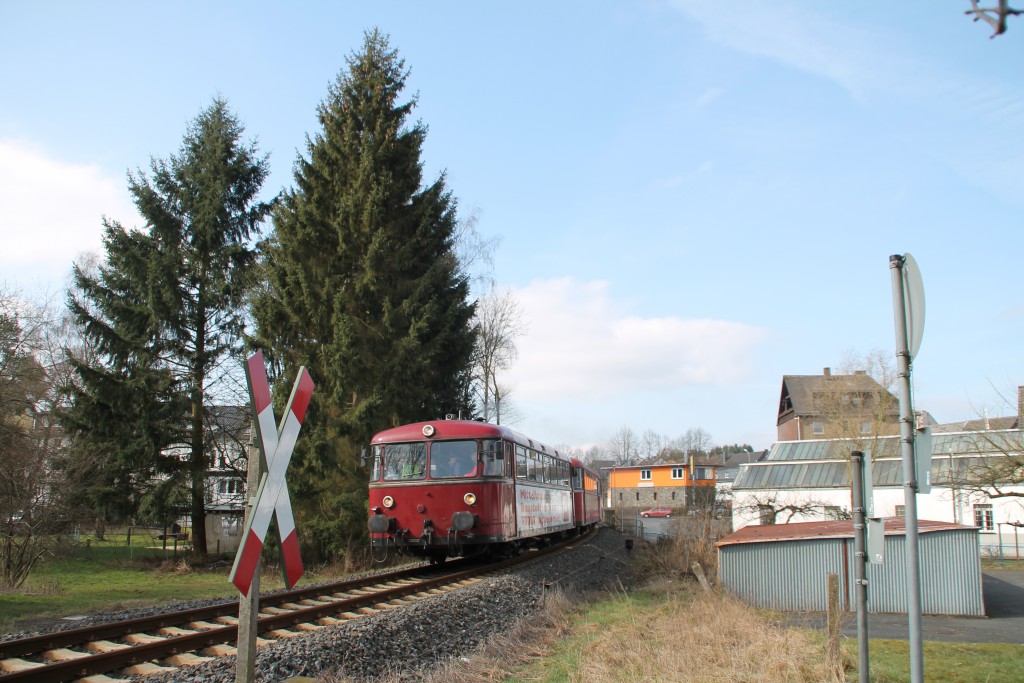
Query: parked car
[{"x": 657, "y": 512}]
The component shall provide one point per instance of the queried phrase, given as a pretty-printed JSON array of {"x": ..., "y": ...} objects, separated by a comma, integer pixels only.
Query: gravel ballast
[{"x": 414, "y": 638}]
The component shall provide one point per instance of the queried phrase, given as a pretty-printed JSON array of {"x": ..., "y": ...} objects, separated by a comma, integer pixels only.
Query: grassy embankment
[{"x": 669, "y": 629}]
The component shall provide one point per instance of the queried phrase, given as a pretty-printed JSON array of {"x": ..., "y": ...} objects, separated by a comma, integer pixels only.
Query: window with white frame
[
  {"x": 703, "y": 473},
  {"x": 678, "y": 472},
  {"x": 645, "y": 475},
  {"x": 983, "y": 517},
  {"x": 231, "y": 486},
  {"x": 865, "y": 427},
  {"x": 901, "y": 511},
  {"x": 818, "y": 427}
]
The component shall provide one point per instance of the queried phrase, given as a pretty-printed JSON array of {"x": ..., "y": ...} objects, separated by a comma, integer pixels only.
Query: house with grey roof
[{"x": 835, "y": 406}]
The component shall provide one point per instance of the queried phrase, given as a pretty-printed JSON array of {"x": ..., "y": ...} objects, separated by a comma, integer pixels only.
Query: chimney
[
  {"x": 827, "y": 372},
  {"x": 1020, "y": 405}
]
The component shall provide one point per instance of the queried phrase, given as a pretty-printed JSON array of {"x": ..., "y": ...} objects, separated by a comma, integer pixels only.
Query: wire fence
[
  {"x": 1005, "y": 544},
  {"x": 130, "y": 543}
]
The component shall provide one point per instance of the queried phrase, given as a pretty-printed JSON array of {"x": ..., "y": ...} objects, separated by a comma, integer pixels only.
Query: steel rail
[
  {"x": 106, "y": 662},
  {"x": 115, "y": 629}
]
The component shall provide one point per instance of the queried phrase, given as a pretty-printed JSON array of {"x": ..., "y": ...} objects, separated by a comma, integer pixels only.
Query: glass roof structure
[{"x": 825, "y": 463}]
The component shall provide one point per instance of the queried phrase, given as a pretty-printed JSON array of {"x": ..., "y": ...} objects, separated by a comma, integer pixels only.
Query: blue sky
[{"x": 693, "y": 199}]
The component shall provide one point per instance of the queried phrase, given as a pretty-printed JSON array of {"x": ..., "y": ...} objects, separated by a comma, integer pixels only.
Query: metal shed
[{"x": 785, "y": 567}]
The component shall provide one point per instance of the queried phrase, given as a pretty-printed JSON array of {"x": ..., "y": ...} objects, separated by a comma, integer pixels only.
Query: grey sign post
[
  {"x": 908, "y": 309},
  {"x": 860, "y": 563}
]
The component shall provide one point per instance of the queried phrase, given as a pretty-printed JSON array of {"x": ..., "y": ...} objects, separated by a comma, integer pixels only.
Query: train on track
[{"x": 452, "y": 488}]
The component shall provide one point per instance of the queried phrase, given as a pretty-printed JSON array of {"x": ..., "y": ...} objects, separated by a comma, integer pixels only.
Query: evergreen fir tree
[
  {"x": 166, "y": 309},
  {"x": 364, "y": 288}
]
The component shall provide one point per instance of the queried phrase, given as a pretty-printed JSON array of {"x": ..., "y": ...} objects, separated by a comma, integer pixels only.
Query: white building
[
  {"x": 228, "y": 441},
  {"x": 809, "y": 480}
]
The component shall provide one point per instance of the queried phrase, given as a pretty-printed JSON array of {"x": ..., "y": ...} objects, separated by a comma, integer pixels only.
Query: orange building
[{"x": 673, "y": 485}]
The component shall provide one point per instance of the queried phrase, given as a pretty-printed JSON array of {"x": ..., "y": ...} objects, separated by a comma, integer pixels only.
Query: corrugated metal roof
[
  {"x": 824, "y": 463},
  {"x": 802, "y": 531},
  {"x": 943, "y": 443}
]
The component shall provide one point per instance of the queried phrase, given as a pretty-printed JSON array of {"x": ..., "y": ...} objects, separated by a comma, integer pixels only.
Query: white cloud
[
  {"x": 873, "y": 62},
  {"x": 708, "y": 96},
  {"x": 581, "y": 343},
  {"x": 857, "y": 58},
  {"x": 51, "y": 211}
]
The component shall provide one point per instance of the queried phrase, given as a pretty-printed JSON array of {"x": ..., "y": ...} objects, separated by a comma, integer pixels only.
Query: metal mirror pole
[
  {"x": 860, "y": 565},
  {"x": 909, "y": 472}
]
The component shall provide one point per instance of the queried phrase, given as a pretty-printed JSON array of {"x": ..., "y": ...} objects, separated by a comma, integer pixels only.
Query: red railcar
[
  {"x": 458, "y": 487},
  {"x": 586, "y": 495}
]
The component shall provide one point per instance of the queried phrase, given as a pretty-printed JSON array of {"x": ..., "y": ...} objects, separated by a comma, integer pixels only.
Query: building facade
[
  {"x": 835, "y": 406},
  {"x": 672, "y": 485}
]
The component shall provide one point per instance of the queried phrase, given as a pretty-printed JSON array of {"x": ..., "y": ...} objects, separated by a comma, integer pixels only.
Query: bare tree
[
  {"x": 31, "y": 510},
  {"x": 858, "y": 402},
  {"x": 993, "y": 16},
  {"x": 991, "y": 464},
  {"x": 506, "y": 412},
  {"x": 474, "y": 252},
  {"x": 695, "y": 441},
  {"x": 651, "y": 443},
  {"x": 499, "y": 324},
  {"x": 624, "y": 446},
  {"x": 781, "y": 508}
]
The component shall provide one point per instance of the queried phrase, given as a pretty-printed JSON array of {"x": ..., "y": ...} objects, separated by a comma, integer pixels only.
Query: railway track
[{"x": 119, "y": 650}]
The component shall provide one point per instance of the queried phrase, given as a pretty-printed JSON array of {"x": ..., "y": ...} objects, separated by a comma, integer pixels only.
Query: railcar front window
[
  {"x": 452, "y": 459},
  {"x": 405, "y": 461},
  {"x": 378, "y": 454},
  {"x": 494, "y": 458}
]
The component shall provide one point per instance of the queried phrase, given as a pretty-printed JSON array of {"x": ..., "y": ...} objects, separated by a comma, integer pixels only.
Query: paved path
[{"x": 1004, "y": 604}]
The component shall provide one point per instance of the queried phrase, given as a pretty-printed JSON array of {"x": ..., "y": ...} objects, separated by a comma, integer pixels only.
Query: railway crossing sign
[{"x": 272, "y": 501}]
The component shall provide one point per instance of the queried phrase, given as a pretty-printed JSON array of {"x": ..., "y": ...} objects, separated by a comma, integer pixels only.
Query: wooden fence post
[{"x": 833, "y": 653}]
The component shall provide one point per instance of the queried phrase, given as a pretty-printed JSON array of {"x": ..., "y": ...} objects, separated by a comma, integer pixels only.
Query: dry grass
[
  {"x": 686, "y": 634},
  {"x": 677, "y": 555},
  {"x": 669, "y": 631}
]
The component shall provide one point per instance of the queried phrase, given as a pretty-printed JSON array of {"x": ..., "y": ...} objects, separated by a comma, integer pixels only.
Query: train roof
[{"x": 459, "y": 429}]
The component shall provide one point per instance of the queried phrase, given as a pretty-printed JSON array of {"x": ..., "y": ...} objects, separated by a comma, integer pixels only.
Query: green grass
[
  {"x": 995, "y": 563},
  {"x": 59, "y": 588},
  {"x": 111, "y": 575},
  {"x": 948, "y": 662}
]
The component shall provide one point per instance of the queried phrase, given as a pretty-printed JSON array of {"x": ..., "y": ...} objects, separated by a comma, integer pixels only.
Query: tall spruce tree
[
  {"x": 165, "y": 312},
  {"x": 364, "y": 288}
]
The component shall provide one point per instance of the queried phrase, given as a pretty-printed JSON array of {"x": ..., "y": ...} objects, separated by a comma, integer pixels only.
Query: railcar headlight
[
  {"x": 428, "y": 430},
  {"x": 388, "y": 502},
  {"x": 470, "y": 498}
]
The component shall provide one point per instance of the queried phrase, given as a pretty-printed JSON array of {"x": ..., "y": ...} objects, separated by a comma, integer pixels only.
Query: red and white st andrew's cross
[{"x": 276, "y": 446}]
